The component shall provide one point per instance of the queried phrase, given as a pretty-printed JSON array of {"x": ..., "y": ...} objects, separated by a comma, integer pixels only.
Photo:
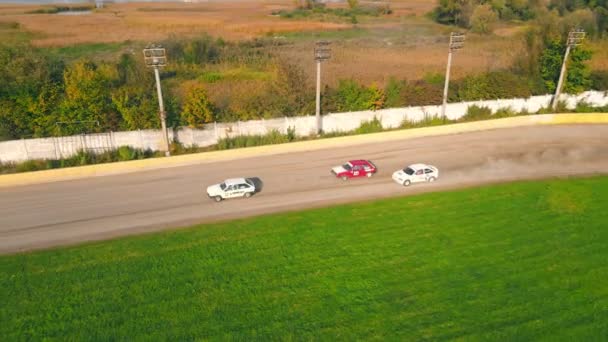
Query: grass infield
[{"x": 522, "y": 261}]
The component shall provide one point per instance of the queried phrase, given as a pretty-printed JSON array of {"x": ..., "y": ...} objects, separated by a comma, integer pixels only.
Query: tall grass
[
  {"x": 123, "y": 153},
  {"x": 271, "y": 138}
]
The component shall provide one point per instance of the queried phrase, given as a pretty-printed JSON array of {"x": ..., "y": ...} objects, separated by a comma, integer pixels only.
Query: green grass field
[{"x": 524, "y": 261}]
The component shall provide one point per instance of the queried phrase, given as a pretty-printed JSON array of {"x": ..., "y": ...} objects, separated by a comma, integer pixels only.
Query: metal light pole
[
  {"x": 575, "y": 37},
  {"x": 322, "y": 53},
  {"x": 155, "y": 57},
  {"x": 456, "y": 43}
]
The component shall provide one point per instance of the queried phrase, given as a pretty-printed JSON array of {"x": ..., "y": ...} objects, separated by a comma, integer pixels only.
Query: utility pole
[
  {"x": 456, "y": 43},
  {"x": 575, "y": 37},
  {"x": 155, "y": 57},
  {"x": 322, "y": 53}
]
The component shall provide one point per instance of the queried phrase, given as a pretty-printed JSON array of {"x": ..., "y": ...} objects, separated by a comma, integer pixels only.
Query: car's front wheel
[
  {"x": 247, "y": 194},
  {"x": 406, "y": 182},
  {"x": 369, "y": 175},
  {"x": 431, "y": 179},
  {"x": 344, "y": 178},
  {"x": 218, "y": 198}
]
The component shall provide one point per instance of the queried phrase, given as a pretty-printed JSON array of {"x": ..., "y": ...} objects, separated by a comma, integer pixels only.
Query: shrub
[
  {"x": 483, "y": 19},
  {"x": 599, "y": 80},
  {"x": 392, "y": 93},
  {"x": 271, "y": 138},
  {"x": 560, "y": 108},
  {"x": 197, "y": 109},
  {"x": 31, "y": 165},
  {"x": 126, "y": 153},
  {"x": 426, "y": 122},
  {"x": 375, "y": 97},
  {"x": 291, "y": 134},
  {"x": 504, "y": 113},
  {"x": 421, "y": 93},
  {"x": 493, "y": 85},
  {"x": 475, "y": 112},
  {"x": 372, "y": 126},
  {"x": 177, "y": 148},
  {"x": 350, "y": 96},
  {"x": 584, "y": 107},
  {"x": 123, "y": 153},
  {"x": 434, "y": 78}
]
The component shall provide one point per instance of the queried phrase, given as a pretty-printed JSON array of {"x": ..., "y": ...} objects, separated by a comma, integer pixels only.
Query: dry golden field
[
  {"x": 404, "y": 44},
  {"x": 240, "y": 19},
  {"x": 152, "y": 21}
]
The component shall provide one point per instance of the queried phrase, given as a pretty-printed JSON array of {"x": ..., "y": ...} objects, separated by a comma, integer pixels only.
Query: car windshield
[
  {"x": 223, "y": 186},
  {"x": 408, "y": 171},
  {"x": 347, "y": 166}
]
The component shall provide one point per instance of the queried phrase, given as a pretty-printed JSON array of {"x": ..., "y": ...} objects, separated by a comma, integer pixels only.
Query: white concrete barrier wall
[{"x": 63, "y": 147}]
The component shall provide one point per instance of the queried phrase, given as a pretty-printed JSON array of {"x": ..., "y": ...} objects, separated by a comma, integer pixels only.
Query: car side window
[
  {"x": 356, "y": 168},
  {"x": 229, "y": 188},
  {"x": 419, "y": 172},
  {"x": 428, "y": 171}
]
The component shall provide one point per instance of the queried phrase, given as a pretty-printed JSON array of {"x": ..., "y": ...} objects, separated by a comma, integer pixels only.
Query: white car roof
[
  {"x": 417, "y": 166},
  {"x": 232, "y": 181}
]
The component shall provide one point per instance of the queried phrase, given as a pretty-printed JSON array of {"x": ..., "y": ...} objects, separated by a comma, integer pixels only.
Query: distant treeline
[{"x": 481, "y": 15}]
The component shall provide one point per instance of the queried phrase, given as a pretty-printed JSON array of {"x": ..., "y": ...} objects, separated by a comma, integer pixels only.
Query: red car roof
[{"x": 359, "y": 162}]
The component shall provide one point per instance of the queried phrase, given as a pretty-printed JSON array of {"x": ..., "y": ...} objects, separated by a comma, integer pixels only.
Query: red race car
[{"x": 355, "y": 168}]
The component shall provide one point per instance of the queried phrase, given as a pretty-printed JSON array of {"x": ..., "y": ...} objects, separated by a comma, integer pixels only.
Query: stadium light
[
  {"x": 456, "y": 43},
  {"x": 155, "y": 57},
  {"x": 322, "y": 53},
  {"x": 575, "y": 38}
]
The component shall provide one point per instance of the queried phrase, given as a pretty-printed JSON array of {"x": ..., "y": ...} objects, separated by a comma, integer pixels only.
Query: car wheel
[
  {"x": 248, "y": 194},
  {"x": 369, "y": 175},
  {"x": 218, "y": 198},
  {"x": 406, "y": 182},
  {"x": 431, "y": 179},
  {"x": 344, "y": 178}
]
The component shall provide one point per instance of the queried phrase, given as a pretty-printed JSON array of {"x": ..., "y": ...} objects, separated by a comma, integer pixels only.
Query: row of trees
[
  {"x": 42, "y": 95},
  {"x": 481, "y": 15}
]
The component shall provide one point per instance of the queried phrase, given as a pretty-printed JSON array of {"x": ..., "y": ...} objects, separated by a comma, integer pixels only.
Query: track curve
[{"x": 45, "y": 215}]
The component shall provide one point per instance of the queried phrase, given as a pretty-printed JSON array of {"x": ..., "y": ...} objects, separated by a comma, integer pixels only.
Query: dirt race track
[{"x": 45, "y": 215}]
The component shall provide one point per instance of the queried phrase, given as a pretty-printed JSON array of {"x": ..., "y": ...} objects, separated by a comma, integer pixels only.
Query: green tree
[
  {"x": 292, "y": 90},
  {"x": 601, "y": 17},
  {"x": 29, "y": 91},
  {"x": 136, "y": 106},
  {"x": 88, "y": 97},
  {"x": 578, "y": 73},
  {"x": 351, "y": 96},
  {"x": 197, "y": 109},
  {"x": 483, "y": 19},
  {"x": 455, "y": 12}
]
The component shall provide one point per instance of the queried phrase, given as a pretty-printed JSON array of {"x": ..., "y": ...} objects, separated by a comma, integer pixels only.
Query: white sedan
[
  {"x": 231, "y": 188},
  {"x": 416, "y": 173}
]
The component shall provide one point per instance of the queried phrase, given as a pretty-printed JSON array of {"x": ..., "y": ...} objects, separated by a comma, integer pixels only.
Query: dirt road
[{"x": 46, "y": 215}]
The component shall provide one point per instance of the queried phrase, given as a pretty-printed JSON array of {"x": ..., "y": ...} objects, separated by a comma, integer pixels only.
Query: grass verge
[{"x": 519, "y": 261}]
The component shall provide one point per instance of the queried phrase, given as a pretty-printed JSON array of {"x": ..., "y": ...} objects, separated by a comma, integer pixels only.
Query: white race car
[
  {"x": 231, "y": 188},
  {"x": 416, "y": 173}
]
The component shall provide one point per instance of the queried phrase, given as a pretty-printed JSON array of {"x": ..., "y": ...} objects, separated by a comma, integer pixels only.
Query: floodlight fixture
[{"x": 155, "y": 56}]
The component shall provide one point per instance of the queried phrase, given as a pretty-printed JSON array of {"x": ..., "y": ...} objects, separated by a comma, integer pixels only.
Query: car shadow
[{"x": 259, "y": 185}]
